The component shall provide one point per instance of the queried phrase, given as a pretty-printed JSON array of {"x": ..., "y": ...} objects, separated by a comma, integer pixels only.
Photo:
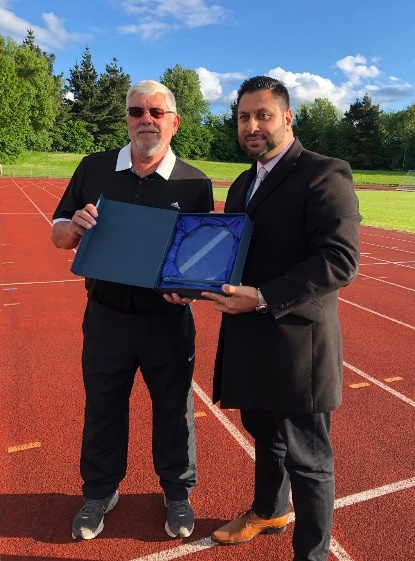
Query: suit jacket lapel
[
  {"x": 276, "y": 176},
  {"x": 240, "y": 201}
]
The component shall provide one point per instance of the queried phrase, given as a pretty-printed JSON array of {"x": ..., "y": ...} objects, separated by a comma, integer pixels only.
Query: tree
[
  {"x": 317, "y": 124},
  {"x": 14, "y": 106},
  {"x": 99, "y": 102},
  {"x": 224, "y": 146},
  {"x": 363, "y": 135},
  {"x": 192, "y": 137},
  {"x": 112, "y": 88},
  {"x": 34, "y": 69},
  {"x": 185, "y": 85},
  {"x": 398, "y": 129},
  {"x": 73, "y": 136},
  {"x": 29, "y": 42},
  {"x": 192, "y": 141},
  {"x": 27, "y": 77},
  {"x": 84, "y": 89}
]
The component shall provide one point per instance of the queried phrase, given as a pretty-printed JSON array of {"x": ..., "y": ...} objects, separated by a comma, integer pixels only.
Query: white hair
[{"x": 151, "y": 87}]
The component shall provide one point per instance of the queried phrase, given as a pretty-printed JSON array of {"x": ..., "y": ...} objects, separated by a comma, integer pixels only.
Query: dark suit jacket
[{"x": 304, "y": 247}]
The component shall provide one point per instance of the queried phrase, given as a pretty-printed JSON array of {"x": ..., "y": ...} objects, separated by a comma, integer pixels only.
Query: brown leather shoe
[{"x": 245, "y": 528}]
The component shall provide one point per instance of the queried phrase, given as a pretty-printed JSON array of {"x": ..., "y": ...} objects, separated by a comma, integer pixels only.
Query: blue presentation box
[{"x": 164, "y": 249}]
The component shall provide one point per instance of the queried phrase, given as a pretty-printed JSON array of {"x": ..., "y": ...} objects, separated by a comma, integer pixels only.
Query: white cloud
[
  {"x": 211, "y": 83},
  {"x": 157, "y": 17},
  {"x": 52, "y": 36},
  {"x": 360, "y": 79},
  {"x": 355, "y": 68},
  {"x": 147, "y": 31},
  {"x": 304, "y": 86},
  {"x": 307, "y": 87}
]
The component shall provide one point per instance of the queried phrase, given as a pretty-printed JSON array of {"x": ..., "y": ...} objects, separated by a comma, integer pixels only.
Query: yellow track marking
[
  {"x": 21, "y": 447},
  {"x": 359, "y": 385}
]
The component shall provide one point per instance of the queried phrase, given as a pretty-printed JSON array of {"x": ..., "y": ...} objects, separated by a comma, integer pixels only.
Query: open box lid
[{"x": 127, "y": 245}]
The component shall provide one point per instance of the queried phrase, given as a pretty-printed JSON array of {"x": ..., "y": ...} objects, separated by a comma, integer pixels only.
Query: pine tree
[
  {"x": 112, "y": 89},
  {"x": 362, "y": 133},
  {"x": 84, "y": 89}
]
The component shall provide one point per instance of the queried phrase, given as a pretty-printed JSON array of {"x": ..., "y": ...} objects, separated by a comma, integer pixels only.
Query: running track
[{"x": 42, "y": 403}]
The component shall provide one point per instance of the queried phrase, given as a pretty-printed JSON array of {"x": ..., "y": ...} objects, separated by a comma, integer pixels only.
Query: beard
[
  {"x": 274, "y": 139},
  {"x": 258, "y": 152},
  {"x": 147, "y": 146}
]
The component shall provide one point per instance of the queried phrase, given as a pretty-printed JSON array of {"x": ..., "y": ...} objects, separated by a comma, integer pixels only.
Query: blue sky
[{"x": 332, "y": 49}]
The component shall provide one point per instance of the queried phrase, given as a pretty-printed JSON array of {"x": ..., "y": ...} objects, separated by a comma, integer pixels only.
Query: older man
[{"x": 127, "y": 327}]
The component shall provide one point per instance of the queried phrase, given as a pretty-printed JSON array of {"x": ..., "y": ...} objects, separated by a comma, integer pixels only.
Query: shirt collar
[
  {"x": 124, "y": 161},
  {"x": 269, "y": 165}
]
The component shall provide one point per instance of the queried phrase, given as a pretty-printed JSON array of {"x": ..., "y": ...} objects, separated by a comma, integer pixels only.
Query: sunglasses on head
[{"x": 155, "y": 113}]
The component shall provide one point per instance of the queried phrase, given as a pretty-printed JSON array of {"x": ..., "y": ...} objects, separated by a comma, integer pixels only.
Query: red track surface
[{"x": 42, "y": 406}]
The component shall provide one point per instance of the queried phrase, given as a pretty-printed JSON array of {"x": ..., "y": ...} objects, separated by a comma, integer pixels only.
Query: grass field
[
  {"x": 40, "y": 164},
  {"x": 394, "y": 210}
]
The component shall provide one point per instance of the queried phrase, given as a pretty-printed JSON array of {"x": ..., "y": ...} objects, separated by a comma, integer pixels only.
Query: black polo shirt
[{"x": 186, "y": 190}]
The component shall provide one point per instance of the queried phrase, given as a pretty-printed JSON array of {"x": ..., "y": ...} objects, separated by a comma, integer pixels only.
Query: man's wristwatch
[{"x": 262, "y": 306}]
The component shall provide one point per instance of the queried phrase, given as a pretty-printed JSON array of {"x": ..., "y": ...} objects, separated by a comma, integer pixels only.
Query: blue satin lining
[{"x": 211, "y": 233}]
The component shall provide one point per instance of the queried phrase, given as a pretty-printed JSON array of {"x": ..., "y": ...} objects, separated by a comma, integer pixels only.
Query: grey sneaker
[
  {"x": 180, "y": 518},
  {"x": 89, "y": 521}
]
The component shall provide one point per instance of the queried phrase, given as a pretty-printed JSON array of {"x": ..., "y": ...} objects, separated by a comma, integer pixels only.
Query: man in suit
[{"x": 279, "y": 357}]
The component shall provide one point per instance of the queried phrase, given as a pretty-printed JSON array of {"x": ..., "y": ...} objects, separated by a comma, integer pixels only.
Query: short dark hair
[{"x": 276, "y": 87}]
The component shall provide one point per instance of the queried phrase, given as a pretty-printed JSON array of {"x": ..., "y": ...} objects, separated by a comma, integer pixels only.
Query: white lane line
[
  {"x": 36, "y": 207},
  {"x": 30, "y": 184},
  {"x": 372, "y": 264},
  {"x": 387, "y": 247},
  {"x": 378, "y": 314},
  {"x": 401, "y": 240},
  {"x": 230, "y": 427},
  {"x": 380, "y": 384},
  {"x": 175, "y": 552},
  {"x": 335, "y": 548},
  {"x": 403, "y": 264},
  {"x": 40, "y": 282},
  {"x": 338, "y": 552},
  {"x": 358, "y": 498},
  {"x": 386, "y": 282}
]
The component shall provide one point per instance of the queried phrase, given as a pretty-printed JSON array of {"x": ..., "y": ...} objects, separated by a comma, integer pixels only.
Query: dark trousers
[
  {"x": 295, "y": 451},
  {"x": 116, "y": 344}
]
